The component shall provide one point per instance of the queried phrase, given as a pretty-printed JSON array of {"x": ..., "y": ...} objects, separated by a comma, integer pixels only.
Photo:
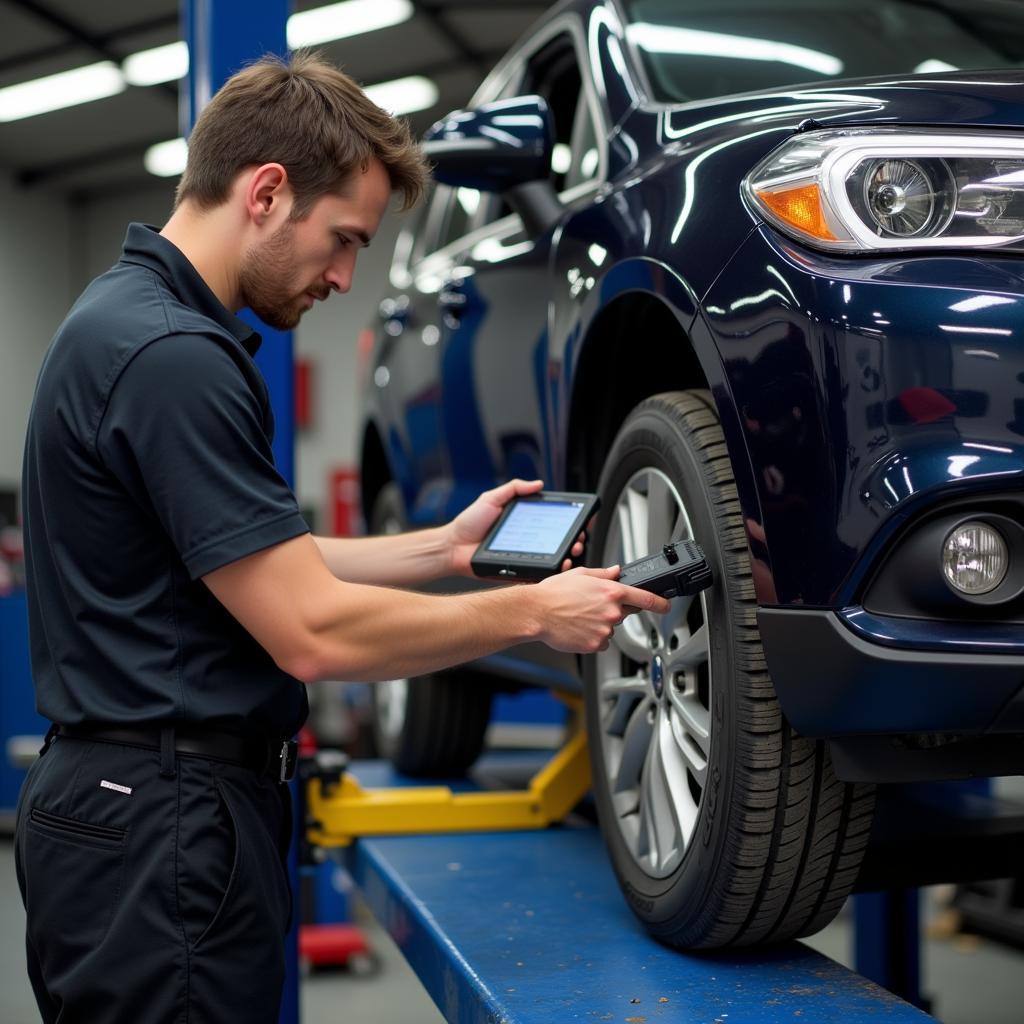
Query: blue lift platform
[{"x": 529, "y": 927}]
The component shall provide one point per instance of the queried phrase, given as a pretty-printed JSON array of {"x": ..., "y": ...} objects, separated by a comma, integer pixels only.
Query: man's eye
[{"x": 343, "y": 241}]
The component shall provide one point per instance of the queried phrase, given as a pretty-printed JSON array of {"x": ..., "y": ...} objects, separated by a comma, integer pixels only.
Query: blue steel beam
[
  {"x": 530, "y": 927},
  {"x": 223, "y": 36}
]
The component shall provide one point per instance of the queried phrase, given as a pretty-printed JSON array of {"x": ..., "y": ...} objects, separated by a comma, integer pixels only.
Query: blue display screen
[{"x": 536, "y": 527}]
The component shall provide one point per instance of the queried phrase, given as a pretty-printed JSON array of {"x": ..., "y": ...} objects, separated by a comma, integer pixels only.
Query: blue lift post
[
  {"x": 530, "y": 927},
  {"x": 925, "y": 834},
  {"x": 222, "y": 36}
]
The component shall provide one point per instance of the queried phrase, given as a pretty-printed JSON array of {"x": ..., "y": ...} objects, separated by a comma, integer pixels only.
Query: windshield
[{"x": 695, "y": 49}]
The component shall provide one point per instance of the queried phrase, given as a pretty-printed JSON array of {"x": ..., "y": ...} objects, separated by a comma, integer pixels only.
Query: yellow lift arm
[{"x": 340, "y": 811}]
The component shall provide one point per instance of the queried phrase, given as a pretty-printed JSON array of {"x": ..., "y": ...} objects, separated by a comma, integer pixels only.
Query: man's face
[{"x": 305, "y": 260}]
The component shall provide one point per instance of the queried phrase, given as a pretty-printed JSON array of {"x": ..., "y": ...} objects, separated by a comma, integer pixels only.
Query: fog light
[{"x": 975, "y": 558}]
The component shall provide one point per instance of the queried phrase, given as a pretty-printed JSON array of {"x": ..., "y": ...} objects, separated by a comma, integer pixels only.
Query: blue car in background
[{"x": 754, "y": 273}]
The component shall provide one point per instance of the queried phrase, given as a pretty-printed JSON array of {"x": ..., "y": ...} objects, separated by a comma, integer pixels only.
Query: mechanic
[{"x": 177, "y": 600}]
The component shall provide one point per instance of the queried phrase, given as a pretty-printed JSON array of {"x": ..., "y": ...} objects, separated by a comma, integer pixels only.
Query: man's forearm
[
  {"x": 400, "y": 560},
  {"x": 372, "y": 633}
]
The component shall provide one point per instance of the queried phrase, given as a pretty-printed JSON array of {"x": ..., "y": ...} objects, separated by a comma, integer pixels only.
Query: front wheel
[{"x": 724, "y": 827}]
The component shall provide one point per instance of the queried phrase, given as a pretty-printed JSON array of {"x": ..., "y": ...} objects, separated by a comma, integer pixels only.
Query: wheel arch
[{"x": 637, "y": 345}]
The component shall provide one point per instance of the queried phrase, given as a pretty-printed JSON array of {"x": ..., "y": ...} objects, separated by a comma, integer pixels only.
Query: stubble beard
[{"x": 264, "y": 279}]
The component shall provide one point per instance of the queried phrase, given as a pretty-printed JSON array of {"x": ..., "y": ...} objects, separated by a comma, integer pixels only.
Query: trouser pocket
[
  {"x": 208, "y": 857},
  {"x": 73, "y": 871}
]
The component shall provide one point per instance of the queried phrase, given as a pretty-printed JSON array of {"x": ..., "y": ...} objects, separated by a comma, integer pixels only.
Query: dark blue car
[{"x": 754, "y": 273}]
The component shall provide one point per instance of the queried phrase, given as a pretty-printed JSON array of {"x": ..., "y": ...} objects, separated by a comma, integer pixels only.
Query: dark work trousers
[{"x": 149, "y": 899}]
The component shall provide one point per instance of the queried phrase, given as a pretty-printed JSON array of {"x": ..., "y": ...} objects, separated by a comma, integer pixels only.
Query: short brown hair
[{"x": 306, "y": 115}]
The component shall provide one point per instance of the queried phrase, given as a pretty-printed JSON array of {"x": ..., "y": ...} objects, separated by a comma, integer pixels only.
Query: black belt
[{"x": 274, "y": 758}]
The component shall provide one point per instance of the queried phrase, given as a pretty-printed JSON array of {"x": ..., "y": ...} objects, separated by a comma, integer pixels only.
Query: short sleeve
[{"x": 183, "y": 431}]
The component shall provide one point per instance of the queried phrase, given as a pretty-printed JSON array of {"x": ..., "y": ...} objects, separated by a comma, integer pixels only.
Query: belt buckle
[{"x": 288, "y": 758}]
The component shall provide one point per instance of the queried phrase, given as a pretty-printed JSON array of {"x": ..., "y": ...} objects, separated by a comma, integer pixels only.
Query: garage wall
[
  {"x": 328, "y": 337},
  {"x": 35, "y": 291},
  {"x": 100, "y": 226}
]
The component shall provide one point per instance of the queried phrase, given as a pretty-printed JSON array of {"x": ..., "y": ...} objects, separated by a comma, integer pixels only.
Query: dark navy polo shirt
[{"x": 148, "y": 464}]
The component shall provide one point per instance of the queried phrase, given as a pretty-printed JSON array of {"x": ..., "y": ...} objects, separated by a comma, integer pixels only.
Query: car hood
[{"x": 993, "y": 99}]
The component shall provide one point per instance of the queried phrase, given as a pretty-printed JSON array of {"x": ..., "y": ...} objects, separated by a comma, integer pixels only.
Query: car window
[
  {"x": 429, "y": 224},
  {"x": 460, "y": 209},
  {"x": 553, "y": 72},
  {"x": 697, "y": 49}
]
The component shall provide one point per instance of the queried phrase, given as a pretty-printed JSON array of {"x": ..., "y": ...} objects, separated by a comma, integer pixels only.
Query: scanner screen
[{"x": 536, "y": 527}]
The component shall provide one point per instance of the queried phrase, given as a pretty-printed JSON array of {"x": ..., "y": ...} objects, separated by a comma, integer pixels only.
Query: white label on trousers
[{"x": 113, "y": 785}]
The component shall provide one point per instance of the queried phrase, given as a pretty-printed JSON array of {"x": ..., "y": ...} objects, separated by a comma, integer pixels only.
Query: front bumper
[
  {"x": 833, "y": 681},
  {"x": 878, "y": 685}
]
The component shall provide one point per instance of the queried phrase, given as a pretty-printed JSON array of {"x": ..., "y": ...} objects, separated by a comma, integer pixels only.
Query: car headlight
[{"x": 862, "y": 190}]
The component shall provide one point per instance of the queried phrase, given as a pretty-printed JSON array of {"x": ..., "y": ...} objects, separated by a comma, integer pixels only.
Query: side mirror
[{"x": 503, "y": 147}]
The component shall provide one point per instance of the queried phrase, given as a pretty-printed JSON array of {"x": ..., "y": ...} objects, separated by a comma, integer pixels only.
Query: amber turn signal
[{"x": 799, "y": 207}]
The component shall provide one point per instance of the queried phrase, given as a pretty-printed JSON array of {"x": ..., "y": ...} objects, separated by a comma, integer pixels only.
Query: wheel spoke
[
  {"x": 691, "y": 729},
  {"x": 623, "y": 685},
  {"x": 636, "y": 741},
  {"x": 680, "y": 526},
  {"x": 692, "y": 651},
  {"x": 662, "y": 512},
  {"x": 694, "y": 718},
  {"x": 673, "y": 763},
  {"x": 621, "y": 694},
  {"x": 649, "y": 813},
  {"x": 636, "y": 503},
  {"x": 675, "y": 620},
  {"x": 631, "y": 639}
]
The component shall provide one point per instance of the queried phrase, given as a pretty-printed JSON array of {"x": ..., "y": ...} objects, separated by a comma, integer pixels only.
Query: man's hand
[
  {"x": 582, "y": 607},
  {"x": 468, "y": 529}
]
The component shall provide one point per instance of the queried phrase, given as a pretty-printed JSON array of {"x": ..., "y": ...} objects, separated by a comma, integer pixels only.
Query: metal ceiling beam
[
  {"x": 93, "y": 41},
  {"x": 468, "y": 52},
  {"x": 43, "y": 173},
  {"x": 107, "y": 38}
]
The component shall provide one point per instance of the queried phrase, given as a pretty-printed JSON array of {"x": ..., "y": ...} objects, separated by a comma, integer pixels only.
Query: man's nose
[{"x": 339, "y": 275}]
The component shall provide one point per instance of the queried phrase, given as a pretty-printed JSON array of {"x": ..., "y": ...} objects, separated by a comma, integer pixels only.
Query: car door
[{"x": 494, "y": 303}]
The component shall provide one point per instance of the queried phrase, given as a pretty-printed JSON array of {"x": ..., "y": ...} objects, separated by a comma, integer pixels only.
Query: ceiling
[{"x": 96, "y": 149}]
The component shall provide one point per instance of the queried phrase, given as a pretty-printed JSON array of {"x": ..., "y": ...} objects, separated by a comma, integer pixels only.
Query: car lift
[
  {"x": 339, "y": 810},
  {"x": 505, "y": 922}
]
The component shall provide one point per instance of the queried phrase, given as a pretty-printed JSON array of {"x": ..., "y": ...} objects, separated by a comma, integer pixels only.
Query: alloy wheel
[{"x": 654, "y": 690}]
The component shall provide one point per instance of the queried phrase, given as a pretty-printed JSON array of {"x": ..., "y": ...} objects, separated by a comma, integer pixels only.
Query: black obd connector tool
[{"x": 678, "y": 570}]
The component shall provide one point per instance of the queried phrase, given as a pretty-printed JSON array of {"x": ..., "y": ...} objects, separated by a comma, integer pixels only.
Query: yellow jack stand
[{"x": 340, "y": 812}]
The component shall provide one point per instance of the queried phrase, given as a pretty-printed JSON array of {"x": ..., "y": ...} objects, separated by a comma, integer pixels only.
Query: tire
[
  {"x": 724, "y": 827},
  {"x": 431, "y": 725}
]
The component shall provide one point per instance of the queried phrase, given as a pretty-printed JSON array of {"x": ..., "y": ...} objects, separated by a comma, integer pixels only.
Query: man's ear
[{"x": 266, "y": 190}]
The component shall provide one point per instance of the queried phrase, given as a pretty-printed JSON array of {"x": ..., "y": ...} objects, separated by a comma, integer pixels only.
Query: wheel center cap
[{"x": 658, "y": 676}]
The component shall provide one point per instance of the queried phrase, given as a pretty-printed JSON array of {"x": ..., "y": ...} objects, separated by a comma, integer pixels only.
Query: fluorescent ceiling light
[
  {"x": 166, "y": 159},
  {"x": 926, "y": 67},
  {"x": 469, "y": 200},
  {"x": 351, "y": 17},
  {"x": 403, "y": 95},
  {"x": 561, "y": 158},
  {"x": 348, "y": 18},
  {"x": 665, "y": 39},
  {"x": 161, "y": 64},
  {"x": 170, "y": 63},
  {"x": 66, "y": 89}
]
